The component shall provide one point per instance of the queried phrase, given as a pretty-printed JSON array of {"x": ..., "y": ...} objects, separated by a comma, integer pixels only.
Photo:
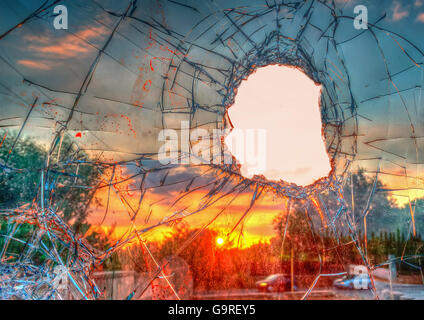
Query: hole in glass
[{"x": 277, "y": 128}]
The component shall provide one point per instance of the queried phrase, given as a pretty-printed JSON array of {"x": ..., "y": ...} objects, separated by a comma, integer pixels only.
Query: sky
[
  {"x": 143, "y": 82},
  {"x": 124, "y": 194}
]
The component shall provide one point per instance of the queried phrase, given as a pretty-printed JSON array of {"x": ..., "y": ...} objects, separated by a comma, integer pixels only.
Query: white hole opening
[{"x": 282, "y": 104}]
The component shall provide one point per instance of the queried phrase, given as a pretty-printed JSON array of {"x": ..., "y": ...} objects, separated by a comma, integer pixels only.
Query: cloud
[
  {"x": 399, "y": 13},
  {"x": 420, "y": 18},
  {"x": 72, "y": 45},
  {"x": 65, "y": 50},
  {"x": 34, "y": 64}
]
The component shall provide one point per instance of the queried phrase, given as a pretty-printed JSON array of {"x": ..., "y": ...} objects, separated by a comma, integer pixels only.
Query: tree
[
  {"x": 69, "y": 184},
  {"x": 418, "y": 209},
  {"x": 382, "y": 213},
  {"x": 71, "y": 178},
  {"x": 21, "y": 164},
  {"x": 297, "y": 242}
]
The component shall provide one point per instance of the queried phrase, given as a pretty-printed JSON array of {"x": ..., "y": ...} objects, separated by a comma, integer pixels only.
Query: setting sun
[{"x": 219, "y": 241}]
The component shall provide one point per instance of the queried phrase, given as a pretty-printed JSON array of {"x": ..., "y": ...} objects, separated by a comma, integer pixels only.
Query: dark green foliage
[
  {"x": 70, "y": 182},
  {"x": 21, "y": 171}
]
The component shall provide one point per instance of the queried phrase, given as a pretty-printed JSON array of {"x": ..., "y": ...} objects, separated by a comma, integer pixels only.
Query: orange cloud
[
  {"x": 398, "y": 12},
  {"x": 420, "y": 18},
  {"x": 72, "y": 45},
  {"x": 34, "y": 64},
  {"x": 65, "y": 50}
]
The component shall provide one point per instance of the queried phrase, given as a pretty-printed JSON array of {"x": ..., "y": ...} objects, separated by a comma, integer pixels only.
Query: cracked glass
[{"x": 104, "y": 193}]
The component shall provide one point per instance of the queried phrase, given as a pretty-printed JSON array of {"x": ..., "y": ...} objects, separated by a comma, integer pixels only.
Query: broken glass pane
[{"x": 115, "y": 178}]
